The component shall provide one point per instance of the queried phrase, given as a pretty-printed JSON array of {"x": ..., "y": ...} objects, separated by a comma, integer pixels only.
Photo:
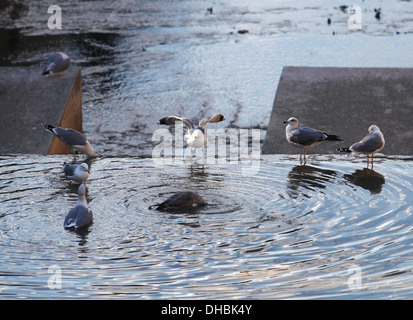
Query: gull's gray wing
[
  {"x": 78, "y": 217},
  {"x": 70, "y": 220},
  {"x": 171, "y": 120},
  {"x": 307, "y": 136},
  {"x": 368, "y": 144},
  {"x": 214, "y": 119},
  {"x": 70, "y": 136},
  {"x": 69, "y": 169}
]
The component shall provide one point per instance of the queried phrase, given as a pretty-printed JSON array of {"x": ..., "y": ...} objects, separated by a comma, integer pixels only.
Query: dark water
[
  {"x": 326, "y": 230},
  {"x": 294, "y": 232}
]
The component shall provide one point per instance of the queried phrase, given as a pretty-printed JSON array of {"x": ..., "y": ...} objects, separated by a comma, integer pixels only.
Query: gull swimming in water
[
  {"x": 369, "y": 145},
  {"x": 185, "y": 199},
  {"x": 73, "y": 139},
  {"x": 81, "y": 215},
  {"x": 57, "y": 63},
  {"x": 305, "y": 138},
  {"x": 76, "y": 172},
  {"x": 196, "y": 135}
]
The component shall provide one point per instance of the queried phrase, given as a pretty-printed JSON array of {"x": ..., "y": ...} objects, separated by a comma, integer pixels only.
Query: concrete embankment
[
  {"x": 345, "y": 102},
  {"x": 27, "y": 99}
]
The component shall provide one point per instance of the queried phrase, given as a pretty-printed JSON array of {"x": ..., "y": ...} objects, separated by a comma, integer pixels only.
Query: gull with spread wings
[{"x": 196, "y": 135}]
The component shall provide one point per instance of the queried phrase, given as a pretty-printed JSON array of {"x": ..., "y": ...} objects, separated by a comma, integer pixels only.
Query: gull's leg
[
  {"x": 74, "y": 154},
  {"x": 305, "y": 161},
  {"x": 372, "y": 160},
  {"x": 368, "y": 161}
]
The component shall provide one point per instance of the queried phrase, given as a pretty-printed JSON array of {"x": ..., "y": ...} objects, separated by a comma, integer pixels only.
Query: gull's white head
[
  {"x": 373, "y": 128},
  {"x": 198, "y": 134},
  {"x": 84, "y": 167},
  {"x": 292, "y": 122}
]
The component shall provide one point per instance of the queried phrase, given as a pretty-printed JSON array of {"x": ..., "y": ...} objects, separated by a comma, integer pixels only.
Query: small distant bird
[
  {"x": 196, "y": 135},
  {"x": 328, "y": 21},
  {"x": 305, "y": 138},
  {"x": 343, "y": 8},
  {"x": 378, "y": 13},
  {"x": 57, "y": 63},
  {"x": 369, "y": 145},
  {"x": 76, "y": 172},
  {"x": 81, "y": 215},
  {"x": 73, "y": 139},
  {"x": 185, "y": 199}
]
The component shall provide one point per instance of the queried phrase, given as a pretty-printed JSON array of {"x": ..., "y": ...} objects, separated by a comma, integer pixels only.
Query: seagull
[
  {"x": 369, "y": 145},
  {"x": 81, "y": 215},
  {"x": 76, "y": 172},
  {"x": 73, "y": 139},
  {"x": 196, "y": 135},
  {"x": 305, "y": 138},
  {"x": 57, "y": 63},
  {"x": 185, "y": 199}
]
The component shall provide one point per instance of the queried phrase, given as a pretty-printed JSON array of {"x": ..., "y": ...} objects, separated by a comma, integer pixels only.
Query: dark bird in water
[{"x": 179, "y": 200}]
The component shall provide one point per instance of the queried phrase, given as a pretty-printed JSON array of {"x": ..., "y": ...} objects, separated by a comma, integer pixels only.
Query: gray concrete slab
[
  {"x": 28, "y": 99},
  {"x": 345, "y": 102}
]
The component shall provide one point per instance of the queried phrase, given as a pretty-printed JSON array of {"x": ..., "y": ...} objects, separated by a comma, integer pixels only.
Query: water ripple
[{"x": 289, "y": 231}]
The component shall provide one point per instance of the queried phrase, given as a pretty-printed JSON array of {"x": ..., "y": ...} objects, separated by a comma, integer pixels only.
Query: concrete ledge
[
  {"x": 28, "y": 99},
  {"x": 345, "y": 102}
]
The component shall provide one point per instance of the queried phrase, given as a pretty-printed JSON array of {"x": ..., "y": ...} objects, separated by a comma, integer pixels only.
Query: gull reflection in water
[
  {"x": 367, "y": 179},
  {"x": 309, "y": 178}
]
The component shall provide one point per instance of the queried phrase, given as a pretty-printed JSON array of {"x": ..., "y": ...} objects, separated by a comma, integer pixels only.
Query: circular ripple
[{"x": 285, "y": 230}]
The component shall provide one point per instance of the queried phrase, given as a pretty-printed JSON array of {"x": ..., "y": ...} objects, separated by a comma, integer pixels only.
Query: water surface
[{"x": 289, "y": 231}]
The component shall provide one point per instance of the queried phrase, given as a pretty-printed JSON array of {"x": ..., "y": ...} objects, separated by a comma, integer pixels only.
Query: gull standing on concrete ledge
[
  {"x": 369, "y": 145},
  {"x": 76, "y": 172},
  {"x": 196, "y": 135},
  {"x": 73, "y": 139},
  {"x": 81, "y": 215},
  {"x": 305, "y": 138},
  {"x": 57, "y": 63}
]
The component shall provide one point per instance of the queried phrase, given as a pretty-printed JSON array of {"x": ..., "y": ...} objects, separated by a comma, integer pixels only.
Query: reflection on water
[
  {"x": 308, "y": 177},
  {"x": 367, "y": 179},
  {"x": 287, "y": 232}
]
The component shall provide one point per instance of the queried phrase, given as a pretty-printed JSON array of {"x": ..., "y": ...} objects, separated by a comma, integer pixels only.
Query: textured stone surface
[{"x": 27, "y": 99}]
